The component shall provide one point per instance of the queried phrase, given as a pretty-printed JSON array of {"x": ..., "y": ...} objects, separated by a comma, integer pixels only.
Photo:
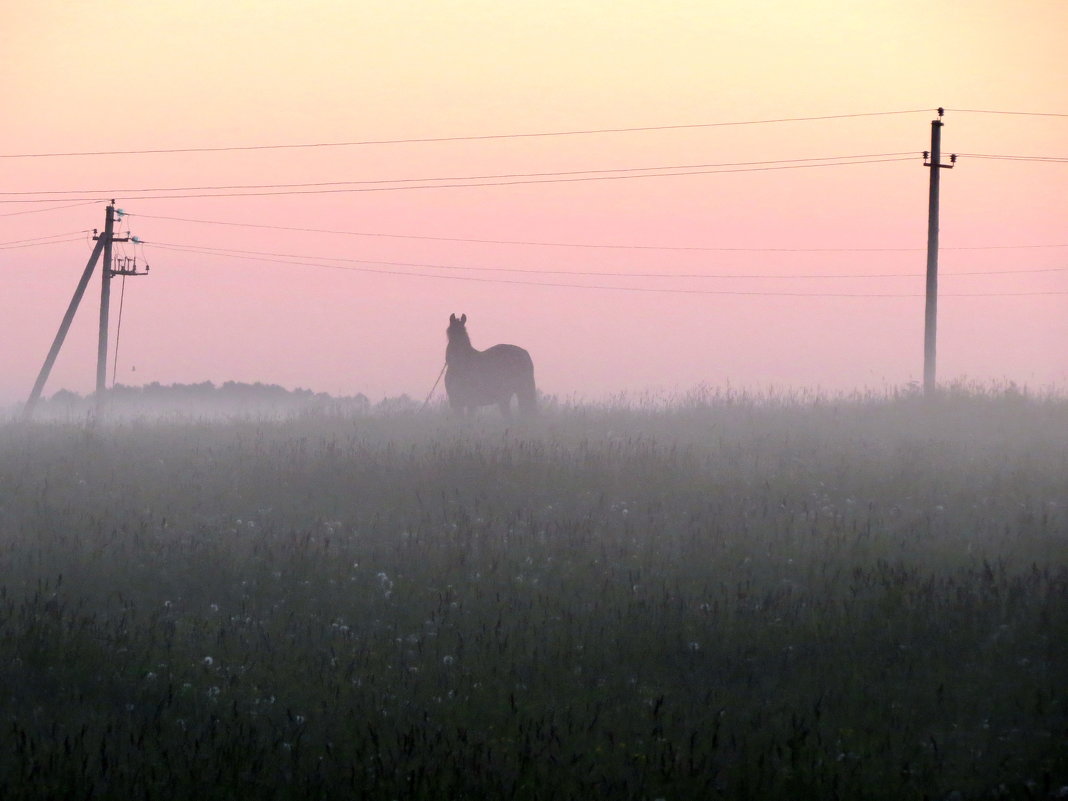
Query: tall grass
[{"x": 724, "y": 597}]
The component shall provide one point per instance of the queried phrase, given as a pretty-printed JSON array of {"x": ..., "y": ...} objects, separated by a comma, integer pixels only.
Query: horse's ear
[
  {"x": 452, "y": 318},
  {"x": 463, "y": 319}
]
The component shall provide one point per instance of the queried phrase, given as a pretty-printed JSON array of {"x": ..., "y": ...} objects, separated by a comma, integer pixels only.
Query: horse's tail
[{"x": 527, "y": 394}]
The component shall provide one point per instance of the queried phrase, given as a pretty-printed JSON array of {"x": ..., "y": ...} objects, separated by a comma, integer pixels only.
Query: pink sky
[{"x": 133, "y": 76}]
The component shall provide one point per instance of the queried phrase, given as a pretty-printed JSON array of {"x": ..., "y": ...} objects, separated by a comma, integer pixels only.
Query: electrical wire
[
  {"x": 598, "y": 245},
  {"x": 657, "y": 290},
  {"x": 830, "y": 159},
  {"x": 55, "y": 208},
  {"x": 826, "y": 161},
  {"x": 1045, "y": 159},
  {"x": 1012, "y": 113},
  {"x": 467, "y": 138},
  {"x": 482, "y": 184},
  {"x": 40, "y": 238},
  {"x": 540, "y": 271},
  {"x": 40, "y": 244},
  {"x": 118, "y": 333}
]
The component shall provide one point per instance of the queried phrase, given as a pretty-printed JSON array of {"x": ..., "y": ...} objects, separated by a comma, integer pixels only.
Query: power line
[
  {"x": 294, "y": 260},
  {"x": 1047, "y": 159},
  {"x": 466, "y": 138},
  {"x": 831, "y": 159},
  {"x": 39, "y": 244},
  {"x": 827, "y": 161},
  {"x": 40, "y": 238},
  {"x": 657, "y": 290},
  {"x": 1012, "y": 113},
  {"x": 482, "y": 184},
  {"x": 541, "y": 271},
  {"x": 54, "y": 208},
  {"x": 598, "y": 245}
]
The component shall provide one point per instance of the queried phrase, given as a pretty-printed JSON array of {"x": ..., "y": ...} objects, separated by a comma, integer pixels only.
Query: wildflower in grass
[
  {"x": 385, "y": 584},
  {"x": 448, "y": 660},
  {"x": 694, "y": 646},
  {"x": 208, "y": 661}
]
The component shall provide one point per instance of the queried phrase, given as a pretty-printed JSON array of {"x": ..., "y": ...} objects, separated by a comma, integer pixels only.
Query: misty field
[{"x": 723, "y": 597}]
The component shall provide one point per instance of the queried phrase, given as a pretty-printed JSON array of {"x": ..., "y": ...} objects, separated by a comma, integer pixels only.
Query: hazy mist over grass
[{"x": 722, "y": 596}]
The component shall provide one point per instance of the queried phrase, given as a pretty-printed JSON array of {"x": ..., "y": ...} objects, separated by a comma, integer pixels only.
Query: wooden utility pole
[
  {"x": 103, "y": 246},
  {"x": 932, "y": 159},
  {"x": 105, "y": 304}
]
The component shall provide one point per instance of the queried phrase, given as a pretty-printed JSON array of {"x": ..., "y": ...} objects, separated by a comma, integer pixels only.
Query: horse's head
[{"x": 457, "y": 329}]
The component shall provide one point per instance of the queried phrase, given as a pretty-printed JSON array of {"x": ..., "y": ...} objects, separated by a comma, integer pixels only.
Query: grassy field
[{"x": 725, "y": 597}]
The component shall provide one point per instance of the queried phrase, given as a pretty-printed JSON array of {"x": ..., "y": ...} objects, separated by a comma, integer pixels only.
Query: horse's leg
[
  {"x": 458, "y": 409},
  {"x": 527, "y": 395}
]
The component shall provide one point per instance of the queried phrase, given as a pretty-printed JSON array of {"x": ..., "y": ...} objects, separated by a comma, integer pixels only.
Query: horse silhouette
[{"x": 486, "y": 377}]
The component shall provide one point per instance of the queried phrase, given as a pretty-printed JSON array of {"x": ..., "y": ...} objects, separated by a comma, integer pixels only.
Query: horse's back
[
  {"x": 509, "y": 355},
  {"x": 492, "y": 376}
]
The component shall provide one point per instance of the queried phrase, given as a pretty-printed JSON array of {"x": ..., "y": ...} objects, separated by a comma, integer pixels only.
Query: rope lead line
[{"x": 429, "y": 394}]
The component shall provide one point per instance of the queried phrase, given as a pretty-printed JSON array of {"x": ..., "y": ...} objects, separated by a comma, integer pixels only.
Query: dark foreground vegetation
[{"x": 726, "y": 598}]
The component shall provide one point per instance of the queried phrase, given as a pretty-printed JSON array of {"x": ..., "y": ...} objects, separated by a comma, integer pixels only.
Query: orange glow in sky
[{"x": 807, "y": 277}]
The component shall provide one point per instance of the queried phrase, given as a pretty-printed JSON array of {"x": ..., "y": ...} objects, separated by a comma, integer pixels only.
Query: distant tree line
[{"x": 229, "y": 398}]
